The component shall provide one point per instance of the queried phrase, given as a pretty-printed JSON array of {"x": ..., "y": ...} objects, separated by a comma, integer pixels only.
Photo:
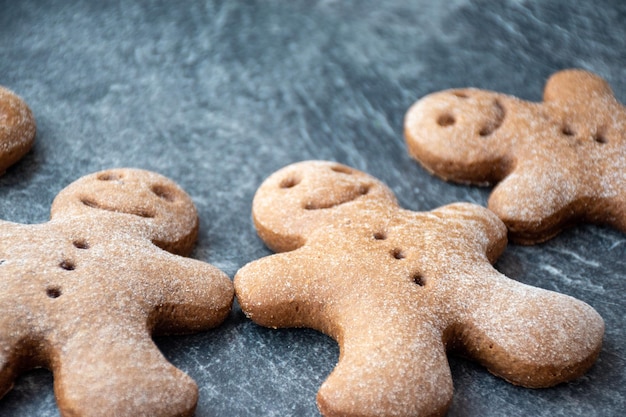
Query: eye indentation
[
  {"x": 460, "y": 94},
  {"x": 341, "y": 169},
  {"x": 289, "y": 182},
  {"x": 164, "y": 192},
  {"x": 53, "y": 292},
  {"x": 109, "y": 176},
  {"x": 446, "y": 120}
]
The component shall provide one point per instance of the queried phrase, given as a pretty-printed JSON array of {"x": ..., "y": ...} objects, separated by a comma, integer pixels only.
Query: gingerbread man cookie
[
  {"x": 397, "y": 289},
  {"x": 17, "y": 129},
  {"x": 82, "y": 293},
  {"x": 558, "y": 162}
]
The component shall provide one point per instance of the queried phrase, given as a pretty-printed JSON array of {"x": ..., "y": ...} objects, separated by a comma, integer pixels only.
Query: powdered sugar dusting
[
  {"x": 397, "y": 288},
  {"x": 82, "y": 293},
  {"x": 17, "y": 128},
  {"x": 559, "y": 161}
]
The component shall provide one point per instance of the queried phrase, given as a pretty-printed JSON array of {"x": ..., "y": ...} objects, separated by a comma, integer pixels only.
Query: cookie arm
[
  {"x": 118, "y": 371},
  {"x": 530, "y": 336},
  {"x": 550, "y": 201},
  {"x": 275, "y": 291},
  {"x": 196, "y": 295}
]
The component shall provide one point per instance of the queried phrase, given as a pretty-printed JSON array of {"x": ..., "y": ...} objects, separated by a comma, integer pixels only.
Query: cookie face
[
  {"x": 82, "y": 294},
  {"x": 555, "y": 163},
  {"x": 398, "y": 290},
  {"x": 17, "y": 129}
]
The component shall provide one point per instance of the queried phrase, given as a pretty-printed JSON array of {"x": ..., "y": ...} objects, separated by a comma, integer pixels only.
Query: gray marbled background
[{"x": 218, "y": 95}]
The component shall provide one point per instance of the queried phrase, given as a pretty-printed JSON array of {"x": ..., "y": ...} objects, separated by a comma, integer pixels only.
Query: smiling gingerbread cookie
[
  {"x": 398, "y": 289},
  {"x": 17, "y": 128},
  {"x": 556, "y": 162},
  {"x": 82, "y": 294}
]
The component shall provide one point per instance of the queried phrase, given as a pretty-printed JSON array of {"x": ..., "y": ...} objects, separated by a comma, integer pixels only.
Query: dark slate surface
[{"x": 218, "y": 95}]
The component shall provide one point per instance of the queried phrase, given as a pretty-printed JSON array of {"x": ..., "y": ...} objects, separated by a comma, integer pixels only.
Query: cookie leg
[
  {"x": 119, "y": 373},
  {"x": 19, "y": 349},
  {"x": 7, "y": 373},
  {"x": 388, "y": 369},
  {"x": 530, "y": 336}
]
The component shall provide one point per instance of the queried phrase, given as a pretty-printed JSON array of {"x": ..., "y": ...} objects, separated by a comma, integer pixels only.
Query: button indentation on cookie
[
  {"x": 53, "y": 292},
  {"x": 80, "y": 244},
  {"x": 398, "y": 254},
  {"x": 418, "y": 279},
  {"x": 380, "y": 235},
  {"x": 67, "y": 265},
  {"x": 599, "y": 137},
  {"x": 567, "y": 130}
]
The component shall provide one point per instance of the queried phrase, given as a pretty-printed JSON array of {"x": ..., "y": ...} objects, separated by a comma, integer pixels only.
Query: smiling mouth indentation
[
  {"x": 495, "y": 123},
  {"x": 135, "y": 211},
  {"x": 346, "y": 198}
]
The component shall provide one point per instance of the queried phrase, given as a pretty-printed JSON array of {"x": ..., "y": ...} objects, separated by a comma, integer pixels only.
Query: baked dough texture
[
  {"x": 17, "y": 129},
  {"x": 398, "y": 289},
  {"x": 82, "y": 294},
  {"x": 555, "y": 163}
]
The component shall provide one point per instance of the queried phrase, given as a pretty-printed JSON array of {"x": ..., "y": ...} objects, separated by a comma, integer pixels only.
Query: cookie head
[
  {"x": 307, "y": 193},
  {"x": 459, "y": 131},
  {"x": 134, "y": 197},
  {"x": 17, "y": 128}
]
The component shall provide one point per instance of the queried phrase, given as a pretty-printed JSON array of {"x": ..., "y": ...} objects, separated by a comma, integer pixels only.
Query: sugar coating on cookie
[
  {"x": 17, "y": 128},
  {"x": 82, "y": 294},
  {"x": 398, "y": 290},
  {"x": 555, "y": 163}
]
